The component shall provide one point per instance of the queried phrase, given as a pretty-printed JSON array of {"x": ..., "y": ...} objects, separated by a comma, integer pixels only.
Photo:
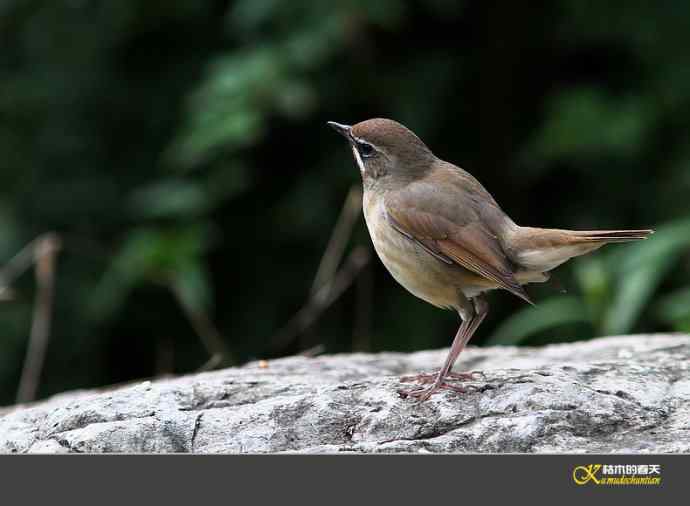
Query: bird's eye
[{"x": 365, "y": 150}]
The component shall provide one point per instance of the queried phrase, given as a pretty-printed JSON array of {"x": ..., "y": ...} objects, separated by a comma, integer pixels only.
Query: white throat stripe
[{"x": 360, "y": 163}]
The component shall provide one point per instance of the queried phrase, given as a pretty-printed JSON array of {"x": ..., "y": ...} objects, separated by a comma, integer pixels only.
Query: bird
[{"x": 445, "y": 239}]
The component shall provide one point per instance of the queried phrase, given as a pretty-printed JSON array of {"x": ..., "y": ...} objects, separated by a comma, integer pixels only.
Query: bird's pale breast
[{"x": 414, "y": 268}]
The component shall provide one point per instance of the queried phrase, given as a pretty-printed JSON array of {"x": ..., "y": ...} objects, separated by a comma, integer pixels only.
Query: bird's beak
[{"x": 344, "y": 130}]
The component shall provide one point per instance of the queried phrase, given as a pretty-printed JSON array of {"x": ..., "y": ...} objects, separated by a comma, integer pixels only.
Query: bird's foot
[
  {"x": 430, "y": 377},
  {"x": 423, "y": 393},
  {"x": 435, "y": 383}
]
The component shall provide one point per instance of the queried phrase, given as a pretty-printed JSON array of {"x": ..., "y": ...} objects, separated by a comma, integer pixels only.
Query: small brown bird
[{"x": 445, "y": 239}]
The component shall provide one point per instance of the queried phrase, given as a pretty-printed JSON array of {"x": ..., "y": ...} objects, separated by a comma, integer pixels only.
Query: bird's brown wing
[{"x": 451, "y": 233}]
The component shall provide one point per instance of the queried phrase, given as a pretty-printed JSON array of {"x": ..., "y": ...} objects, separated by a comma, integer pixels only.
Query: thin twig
[
  {"x": 339, "y": 238},
  {"x": 6, "y": 294},
  {"x": 323, "y": 298},
  {"x": 43, "y": 254},
  {"x": 208, "y": 334},
  {"x": 20, "y": 263},
  {"x": 314, "y": 351},
  {"x": 335, "y": 249},
  {"x": 213, "y": 362}
]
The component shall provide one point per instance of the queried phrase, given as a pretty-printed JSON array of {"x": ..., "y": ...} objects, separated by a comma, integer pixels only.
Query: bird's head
[{"x": 384, "y": 148}]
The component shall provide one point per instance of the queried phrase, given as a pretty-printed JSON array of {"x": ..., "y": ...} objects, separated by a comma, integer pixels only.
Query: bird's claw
[
  {"x": 435, "y": 383},
  {"x": 423, "y": 393},
  {"x": 426, "y": 377}
]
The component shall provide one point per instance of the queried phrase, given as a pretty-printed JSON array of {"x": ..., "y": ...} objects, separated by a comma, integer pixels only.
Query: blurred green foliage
[{"x": 179, "y": 150}]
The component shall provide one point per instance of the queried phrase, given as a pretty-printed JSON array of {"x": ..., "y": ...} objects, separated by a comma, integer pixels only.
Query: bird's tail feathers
[
  {"x": 608, "y": 235},
  {"x": 542, "y": 249}
]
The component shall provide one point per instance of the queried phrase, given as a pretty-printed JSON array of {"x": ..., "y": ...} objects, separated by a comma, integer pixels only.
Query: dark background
[{"x": 179, "y": 150}]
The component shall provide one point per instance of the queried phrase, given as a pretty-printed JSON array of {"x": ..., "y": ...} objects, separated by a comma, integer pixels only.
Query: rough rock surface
[{"x": 615, "y": 394}]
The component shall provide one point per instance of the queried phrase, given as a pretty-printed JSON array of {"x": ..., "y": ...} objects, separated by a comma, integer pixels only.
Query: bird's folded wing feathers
[{"x": 463, "y": 240}]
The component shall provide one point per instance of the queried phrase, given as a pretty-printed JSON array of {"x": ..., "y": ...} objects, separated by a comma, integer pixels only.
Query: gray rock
[{"x": 615, "y": 394}]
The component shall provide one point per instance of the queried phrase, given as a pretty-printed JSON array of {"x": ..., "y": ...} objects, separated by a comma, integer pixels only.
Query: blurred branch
[
  {"x": 339, "y": 237},
  {"x": 333, "y": 254},
  {"x": 314, "y": 351},
  {"x": 322, "y": 298},
  {"x": 6, "y": 294},
  {"x": 209, "y": 335},
  {"x": 328, "y": 283},
  {"x": 42, "y": 251},
  {"x": 19, "y": 264}
]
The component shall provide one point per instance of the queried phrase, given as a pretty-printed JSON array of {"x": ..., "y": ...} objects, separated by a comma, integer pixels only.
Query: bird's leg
[{"x": 475, "y": 312}]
